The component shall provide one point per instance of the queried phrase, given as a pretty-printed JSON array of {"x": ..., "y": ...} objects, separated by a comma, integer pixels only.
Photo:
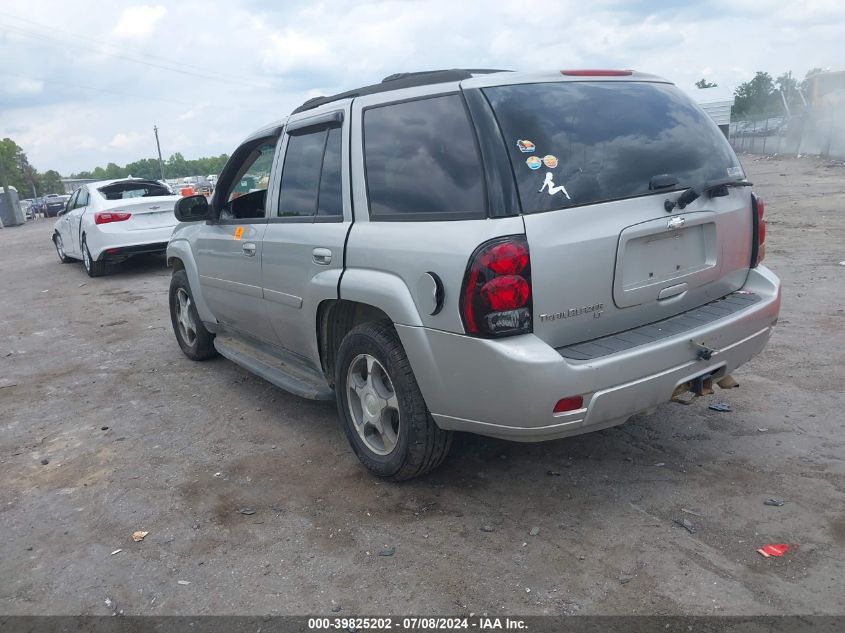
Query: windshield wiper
[{"x": 693, "y": 193}]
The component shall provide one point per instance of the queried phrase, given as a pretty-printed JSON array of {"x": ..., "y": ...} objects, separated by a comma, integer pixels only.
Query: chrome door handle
[
  {"x": 322, "y": 256},
  {"x": 249, "y": 249}
]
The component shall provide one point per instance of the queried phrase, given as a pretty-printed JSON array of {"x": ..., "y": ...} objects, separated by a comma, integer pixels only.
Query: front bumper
[{"x": 507, "y": 388}]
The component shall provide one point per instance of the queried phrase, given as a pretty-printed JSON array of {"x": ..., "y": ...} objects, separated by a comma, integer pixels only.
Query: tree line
[
  {"x": 177, "y": 166},
  {"x": 762, "y": 94},
  {"x": 16, "y": 171}
]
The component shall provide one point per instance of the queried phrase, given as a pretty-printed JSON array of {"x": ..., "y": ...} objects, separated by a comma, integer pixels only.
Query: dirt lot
[{"x": 137, "y": 437}]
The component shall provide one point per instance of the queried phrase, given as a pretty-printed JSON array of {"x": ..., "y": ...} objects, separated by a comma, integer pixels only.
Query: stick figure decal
[{"x": 549, "y": 183}]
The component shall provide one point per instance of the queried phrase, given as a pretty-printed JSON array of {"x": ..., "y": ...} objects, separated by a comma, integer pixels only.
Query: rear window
[
  {"x": 422, "y": 161},
  {"x": 577, "y": 143},
  {"x": 130, "y": 189}
]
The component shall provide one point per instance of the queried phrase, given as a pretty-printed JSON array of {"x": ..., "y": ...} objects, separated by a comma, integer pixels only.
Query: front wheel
[
  {"x": 93, "y": 268},
  {"x": 60, "y": 248},
  {"x": 381, "y": 408},
  {"x": 196, "y": 342}
]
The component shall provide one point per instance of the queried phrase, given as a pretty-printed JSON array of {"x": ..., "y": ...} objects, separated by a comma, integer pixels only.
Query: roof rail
[{"x": 397, "y": 81}]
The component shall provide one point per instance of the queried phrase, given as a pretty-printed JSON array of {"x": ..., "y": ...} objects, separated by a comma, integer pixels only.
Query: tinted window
[
  {"x": 133, "y": 189},
  {"x": 331, "y": 195},
  {"x": 83, "y": 198},
  {"x": 301, "y": 174},
  {"x": 421, "y": 157},
  {"x": 577, "y": 143}
]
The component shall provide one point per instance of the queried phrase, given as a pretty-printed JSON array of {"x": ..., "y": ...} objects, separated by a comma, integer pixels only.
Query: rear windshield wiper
[{"x": 693, "y": 193}]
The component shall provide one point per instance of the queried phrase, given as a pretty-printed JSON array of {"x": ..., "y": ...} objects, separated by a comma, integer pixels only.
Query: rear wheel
[
  {"x": 60, "y": 248},
  {"x": 93, "y": 268},
  {"x": 381, "y": 408},
  {"x": 196, "y": 342}
]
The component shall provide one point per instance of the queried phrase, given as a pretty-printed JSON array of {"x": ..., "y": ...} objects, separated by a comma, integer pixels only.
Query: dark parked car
[{"x": 53, "y": 204}]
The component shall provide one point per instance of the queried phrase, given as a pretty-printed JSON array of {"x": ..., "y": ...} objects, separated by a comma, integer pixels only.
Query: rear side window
[
  {"x": 330, "y": 200},
  {"x": 311, "y": 175},
  {"x": 301, "y": 174},
  {"x": 422, "y": 161},
  {"x": 577, "y": 143}
]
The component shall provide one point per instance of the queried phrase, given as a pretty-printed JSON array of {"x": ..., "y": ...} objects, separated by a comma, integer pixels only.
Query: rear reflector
[
  {"x": 596, "y": 72},
  {"x": 111, "y": 216},
  {"x": 758, "y": 249},
  {"x": 569, "y": 404}
]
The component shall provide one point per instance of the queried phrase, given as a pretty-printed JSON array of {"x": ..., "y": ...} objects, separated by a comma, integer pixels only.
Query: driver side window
[
  {"x": 247, "y": 193},
  {"x": 71, "y": 204}
]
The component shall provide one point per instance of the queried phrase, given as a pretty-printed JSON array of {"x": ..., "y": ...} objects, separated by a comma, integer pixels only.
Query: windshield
[{"x": 577, "y": 143}]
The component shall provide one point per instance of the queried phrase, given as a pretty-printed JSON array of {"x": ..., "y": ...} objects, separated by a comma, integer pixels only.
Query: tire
[
  {"x": 60, "y": 249},
  {"x": 94, "y": 269},
  {"x": 402, "y": 441},
  {"x": 196, "y": 342}
]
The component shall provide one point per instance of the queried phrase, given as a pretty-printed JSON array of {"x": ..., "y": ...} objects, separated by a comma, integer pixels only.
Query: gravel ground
[{"x": 106, "y": 428}]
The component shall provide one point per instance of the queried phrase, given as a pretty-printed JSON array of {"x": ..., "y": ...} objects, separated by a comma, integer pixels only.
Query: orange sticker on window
[{"x": 239, "y": 232}]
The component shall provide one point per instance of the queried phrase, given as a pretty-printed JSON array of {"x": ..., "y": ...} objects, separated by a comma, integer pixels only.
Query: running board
[{"x": 287, "y": 373}]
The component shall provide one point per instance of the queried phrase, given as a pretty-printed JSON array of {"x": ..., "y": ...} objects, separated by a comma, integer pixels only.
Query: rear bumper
[
  {"x": 126, "y": 243},
  {"x": 507, "y": 388}
]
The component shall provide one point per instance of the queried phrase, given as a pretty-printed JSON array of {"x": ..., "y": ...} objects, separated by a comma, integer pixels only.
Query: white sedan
[{"x": 111, "y": 220}]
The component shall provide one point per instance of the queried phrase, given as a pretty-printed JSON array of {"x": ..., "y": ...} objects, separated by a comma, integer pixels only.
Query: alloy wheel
[
  {"x": 373, "y": 404},
  {"x": 182, "y": 310}
]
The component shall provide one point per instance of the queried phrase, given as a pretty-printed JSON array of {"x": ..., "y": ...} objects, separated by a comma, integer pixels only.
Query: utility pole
[{"x": 160, "y": 163}]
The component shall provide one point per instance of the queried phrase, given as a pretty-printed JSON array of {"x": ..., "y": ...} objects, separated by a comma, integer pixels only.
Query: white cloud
[
  {"x": 127, "y": 140},
  {"x": 137, "y": 22},
  {"x": 20, "y": 86}
]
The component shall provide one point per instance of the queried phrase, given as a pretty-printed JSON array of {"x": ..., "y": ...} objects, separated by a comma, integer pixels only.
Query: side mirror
[{"x": 192, "y": 209}]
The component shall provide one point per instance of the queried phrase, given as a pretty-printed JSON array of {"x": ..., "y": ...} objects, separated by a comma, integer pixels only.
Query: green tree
[
  {"x": 177, "y": 166},
  {"x": 144, "y": 168},
  {"x": 15, "y": 166},
  {"x": 788, "y": 86},
  {"x": 756, "y": 96},
  {"x": 114, "y": 171},
  {"x": 703, "y": 83},
  {"x": 50, "y": 182}
]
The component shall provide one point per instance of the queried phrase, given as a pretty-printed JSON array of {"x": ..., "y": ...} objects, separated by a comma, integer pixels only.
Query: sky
[{"x": 82, "y": 83}]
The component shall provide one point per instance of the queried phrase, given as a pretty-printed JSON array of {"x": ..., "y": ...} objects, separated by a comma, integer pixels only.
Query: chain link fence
[{"x": 817, "y": 131}]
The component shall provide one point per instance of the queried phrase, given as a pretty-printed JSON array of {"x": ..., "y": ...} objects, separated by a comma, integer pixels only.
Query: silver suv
[{"x": 522, "y": 255}]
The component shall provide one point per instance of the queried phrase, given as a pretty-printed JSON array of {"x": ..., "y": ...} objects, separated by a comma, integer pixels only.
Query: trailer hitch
[{"x": 702, "y": 351}]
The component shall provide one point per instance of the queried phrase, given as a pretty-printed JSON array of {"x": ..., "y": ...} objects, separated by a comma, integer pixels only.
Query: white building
[{"x": 717, "y": 102}]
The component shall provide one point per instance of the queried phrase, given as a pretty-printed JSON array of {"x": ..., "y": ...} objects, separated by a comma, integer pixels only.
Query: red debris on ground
[{"x": 774, "y": 549}]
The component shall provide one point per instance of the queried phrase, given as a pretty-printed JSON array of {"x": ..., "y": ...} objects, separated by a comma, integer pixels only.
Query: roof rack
[{"x": 398, "y": 81}]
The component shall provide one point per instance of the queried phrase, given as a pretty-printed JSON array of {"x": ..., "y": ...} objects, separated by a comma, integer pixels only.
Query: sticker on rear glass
[
  {"x": 533, "y": 162},
  {"x": 735, "y": 172},
  {"x": 550, "y": 161},
  {"x": 526, "y": 147},
  {"x": 549, "y": 184},
  {"x": 239, "y": 232}
]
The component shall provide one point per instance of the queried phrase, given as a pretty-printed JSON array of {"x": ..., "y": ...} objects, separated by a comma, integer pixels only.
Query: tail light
[
  {"x": 758, "y": 248},
  {"x": 496, "y": 294},
  {"x": 106, "y": 217}
]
